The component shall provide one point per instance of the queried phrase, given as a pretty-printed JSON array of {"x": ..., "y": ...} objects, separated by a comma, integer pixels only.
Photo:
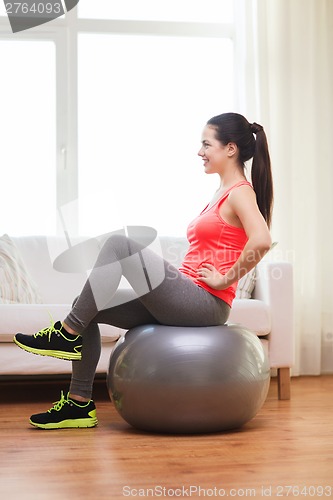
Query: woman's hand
[{"x": 211, "y": 276}]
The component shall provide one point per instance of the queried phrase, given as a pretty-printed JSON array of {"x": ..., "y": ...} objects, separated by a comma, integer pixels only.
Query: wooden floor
[{"x": 285, "y": 451}]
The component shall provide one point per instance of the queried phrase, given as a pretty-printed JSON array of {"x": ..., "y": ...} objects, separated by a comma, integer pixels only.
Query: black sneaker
[
  {"x": 53, "y": 341},
  {"x": 66, "y": 414}
]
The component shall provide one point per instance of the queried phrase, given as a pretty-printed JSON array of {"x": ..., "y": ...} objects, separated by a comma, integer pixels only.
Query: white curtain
[{"x": 286, "y": 82}]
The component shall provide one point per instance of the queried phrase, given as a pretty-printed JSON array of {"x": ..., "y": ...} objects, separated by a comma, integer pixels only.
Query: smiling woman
[{"x": 198, "y": 293}]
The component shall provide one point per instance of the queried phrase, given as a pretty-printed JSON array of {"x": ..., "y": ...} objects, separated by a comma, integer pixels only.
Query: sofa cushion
[
  {"x": 16, "y": 284},
  {"x": 16, "y": 362},
  {"x": 253, "y": 314}
]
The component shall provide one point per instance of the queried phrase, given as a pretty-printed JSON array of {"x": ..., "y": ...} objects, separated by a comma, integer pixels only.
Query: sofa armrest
[{"x": 274, "y": 286}]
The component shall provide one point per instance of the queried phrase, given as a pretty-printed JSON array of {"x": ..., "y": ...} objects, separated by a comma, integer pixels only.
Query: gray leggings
[{"x": 159, "y": 294}]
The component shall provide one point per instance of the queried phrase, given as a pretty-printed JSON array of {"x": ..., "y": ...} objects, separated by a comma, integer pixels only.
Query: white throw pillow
[
  {"x": 16, "y": 285},
  {"x": 246, "y": 284}
]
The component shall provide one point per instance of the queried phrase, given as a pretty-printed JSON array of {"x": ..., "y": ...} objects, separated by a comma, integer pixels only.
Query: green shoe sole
[
  {"x": 68, "y": 424},
  {"x": 69, "y": 356}
]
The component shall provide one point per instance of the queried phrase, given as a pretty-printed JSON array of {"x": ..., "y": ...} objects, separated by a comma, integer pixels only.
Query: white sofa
[{"x": 269, "y": 311}]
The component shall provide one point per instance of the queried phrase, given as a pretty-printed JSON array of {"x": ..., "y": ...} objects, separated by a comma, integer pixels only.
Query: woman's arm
[{"x": 243, "y": 204}]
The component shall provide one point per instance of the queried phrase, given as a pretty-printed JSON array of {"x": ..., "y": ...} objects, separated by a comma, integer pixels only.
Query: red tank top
[{"x": 214, "y": 241}]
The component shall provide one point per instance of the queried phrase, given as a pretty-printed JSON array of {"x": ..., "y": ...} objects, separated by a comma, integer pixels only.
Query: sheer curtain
[{"x": 287, "y": 84}]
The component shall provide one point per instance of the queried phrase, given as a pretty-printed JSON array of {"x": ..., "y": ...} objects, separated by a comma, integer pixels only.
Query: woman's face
[{"x": 213, "y": 153}]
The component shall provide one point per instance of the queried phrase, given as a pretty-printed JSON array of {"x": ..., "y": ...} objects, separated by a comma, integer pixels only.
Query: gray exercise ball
[{"x": 188, "y": 379}]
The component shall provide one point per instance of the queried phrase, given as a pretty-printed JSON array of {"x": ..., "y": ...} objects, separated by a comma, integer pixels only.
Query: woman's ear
[{"x": 232, "y": 149}]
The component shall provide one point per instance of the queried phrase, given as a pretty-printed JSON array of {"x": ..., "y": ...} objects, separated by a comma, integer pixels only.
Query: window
[
  {"x": 103, "y": 111},
  {"x": 28, "y": 135}
]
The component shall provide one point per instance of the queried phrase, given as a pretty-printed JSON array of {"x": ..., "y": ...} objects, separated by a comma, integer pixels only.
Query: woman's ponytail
[{"x": 261, "y": 173}]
